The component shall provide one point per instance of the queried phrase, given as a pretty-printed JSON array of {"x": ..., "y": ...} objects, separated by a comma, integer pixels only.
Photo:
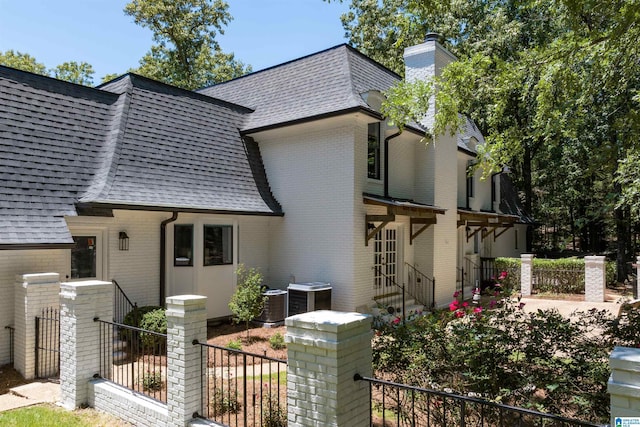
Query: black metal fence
[
  {"x": 243, "y": 389},
  {"x": 394, "y": 404},
  {"x": 12, "y": 332},
  {"x": 134, "y": 358},
  {"x": 47, "y": 345}
]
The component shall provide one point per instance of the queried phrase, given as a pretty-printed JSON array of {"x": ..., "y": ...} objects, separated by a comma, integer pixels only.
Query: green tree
[
  {"x": 542, "y": 79},
  {"x": 75, "y": 72},
  {"x": 248, "y": 300},
  {"x": 186, "y": 53},
  {"x": 22, "y": 61}
]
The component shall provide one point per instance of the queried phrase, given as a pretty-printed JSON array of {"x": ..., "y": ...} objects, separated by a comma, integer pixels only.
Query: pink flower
[
  {"x": 396, "y": 320},
  {"x": 521, "y": 306},
  {"x": 459, "y": 314},
  {"x": 454, "y": 305},
  {"x": 477, "y": 310},
  {"x": 465, "y": 304},
  {"x": 492, "y": 303},
  {"x": 503, "y": 275},
  {"x": 456, "y": 294}
]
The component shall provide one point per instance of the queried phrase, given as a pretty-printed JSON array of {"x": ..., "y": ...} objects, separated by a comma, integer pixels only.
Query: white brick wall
[
  {"x": 14, "y": 263},
  {"x": 311, "y": 174}
]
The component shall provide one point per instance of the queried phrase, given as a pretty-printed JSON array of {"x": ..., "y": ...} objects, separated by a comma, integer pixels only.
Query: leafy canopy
[{"x": 186, "y": 53}]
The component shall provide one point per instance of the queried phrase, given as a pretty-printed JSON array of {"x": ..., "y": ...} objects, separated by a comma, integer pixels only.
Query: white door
[{"x": 386, "y": 257}]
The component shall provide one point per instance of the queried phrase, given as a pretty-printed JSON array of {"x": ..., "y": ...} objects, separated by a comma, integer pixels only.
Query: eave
[{"x": 485, "y": 223}]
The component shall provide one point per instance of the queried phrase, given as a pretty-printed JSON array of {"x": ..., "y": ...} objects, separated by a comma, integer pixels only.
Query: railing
[
  {"x": 471, "y": 274},
  {"x": 47, "y": 343},
  {"x": 421, "y": 287},
  {"x": 460, "y": 281},
  {"x": 394, "y": 404},
  {"x": 488, "y": 270},
  {"x": 121, "y": 304},
  {"x": 242, "y": 389},
  {"x": 558, "y": 280},
  {"x": 134, "y": 358},
  {"x": 390, "y": 294},
  {"x": 12, "y": 332}
]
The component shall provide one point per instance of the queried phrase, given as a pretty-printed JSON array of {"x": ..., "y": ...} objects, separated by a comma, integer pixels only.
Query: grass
[{"x": 53, "y": 416}]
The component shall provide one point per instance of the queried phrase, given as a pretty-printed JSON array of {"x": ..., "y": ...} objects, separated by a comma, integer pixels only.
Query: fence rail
[
  {"x": 12, "y": 332},
  {"x": 242, "y": 389},
  {"x": 568, "y": 280},
  {"x": 421, "y": 287},
  {"x": 122, "y": 304},
  {"x": 47, "y": 344},
  {"x": 134, "y": 358},
  {"x": 394, "y": 404}
]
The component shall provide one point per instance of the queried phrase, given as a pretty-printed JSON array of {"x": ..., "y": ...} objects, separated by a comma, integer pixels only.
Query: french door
[{"x": 385, "y": 259}]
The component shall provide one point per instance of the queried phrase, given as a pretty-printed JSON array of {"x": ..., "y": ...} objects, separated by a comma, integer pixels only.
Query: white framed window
[
  {"x": 373, "y": 151},
  {"x": 183, "y": 245},
  {"x": 87, "y": 258},
  {"x": 218, "y": 245}
]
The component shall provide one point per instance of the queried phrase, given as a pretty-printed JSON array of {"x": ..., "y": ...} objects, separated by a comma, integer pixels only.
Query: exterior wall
[
  {"x": 13, "y": 263},
  {"x": 510, "y": 245},
  {"x": 311, "y": 170},
  {"x": 402, "y": 170}
]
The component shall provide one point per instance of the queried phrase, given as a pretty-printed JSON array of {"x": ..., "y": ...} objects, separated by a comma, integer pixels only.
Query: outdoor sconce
[
  {"x": 123, "y": 241},
  {"x": 370, "y": 226}
]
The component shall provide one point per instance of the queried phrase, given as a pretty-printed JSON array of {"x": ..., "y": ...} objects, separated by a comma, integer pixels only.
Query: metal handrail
[
  {"x": 397, "y": 285},
  {"x": 121, "y": 303},
  {"x": 420, "y": 277}
]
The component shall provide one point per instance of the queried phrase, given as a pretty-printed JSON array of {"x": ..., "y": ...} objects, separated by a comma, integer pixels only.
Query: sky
[{"x": 262, "y": 33}]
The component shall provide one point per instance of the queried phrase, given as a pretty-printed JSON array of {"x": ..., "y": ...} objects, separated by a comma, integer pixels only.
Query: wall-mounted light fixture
[{"x": 123, "y": 241}]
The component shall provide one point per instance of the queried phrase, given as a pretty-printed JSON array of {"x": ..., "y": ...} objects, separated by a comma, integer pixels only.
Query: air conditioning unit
[
  {"x": 304, "y": 297},
  {"x": 275, "y": 306}
]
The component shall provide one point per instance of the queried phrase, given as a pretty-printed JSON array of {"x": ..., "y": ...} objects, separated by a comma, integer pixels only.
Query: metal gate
[{"x": 48, "y": 343}]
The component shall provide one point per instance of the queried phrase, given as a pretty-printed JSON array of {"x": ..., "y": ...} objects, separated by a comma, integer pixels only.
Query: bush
[
  {"x": 234, "y": 345},
  {"x": 247, "y": 302},
  {"x": 134, "y": 317},
  {"x": 152, "y": 381},
  {"x": 224, "y": 402},
  {"x": 539, "y": 359},
  {"x": 277, "y": 341},
  {"x": 151, "y": 318}
]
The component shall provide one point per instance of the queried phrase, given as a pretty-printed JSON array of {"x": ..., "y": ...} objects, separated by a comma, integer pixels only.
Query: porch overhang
[
  {"x": 421, "y": 215},
  {"x": 485, "y": 223}
]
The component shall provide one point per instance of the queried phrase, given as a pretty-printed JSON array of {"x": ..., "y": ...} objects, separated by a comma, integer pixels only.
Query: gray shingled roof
[
  {"x": 51, "y": 134},
  {"x": 325, "y": 83},
  {"x": 134, "y": 143}
]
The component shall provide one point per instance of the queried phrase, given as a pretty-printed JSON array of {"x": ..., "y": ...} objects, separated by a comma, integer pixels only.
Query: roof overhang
[
  {"x": 421, "y": 215},
  {"x": 485, "y": 223},
  {"x": 106, "y": 207}
]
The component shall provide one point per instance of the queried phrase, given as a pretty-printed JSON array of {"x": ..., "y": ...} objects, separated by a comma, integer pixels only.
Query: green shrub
[
  {"x": 277, "y": 341},
  {"x": 152, "y": 381},
  {"x": 234, "y": 345},
  {"x": 538, "y": 359},
  {"x": 247, "y": 302},
  {"x": 154, "y": 321},
  {"x": 224, "y": 402},
  {"x": 565, "y": 275},
  {"x": 134, "y": 317}
]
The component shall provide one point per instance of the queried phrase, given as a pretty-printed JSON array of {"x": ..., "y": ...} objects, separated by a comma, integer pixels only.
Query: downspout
[
  {"x": 163, "y": 257},
  {"x": 386, "y": 162}
]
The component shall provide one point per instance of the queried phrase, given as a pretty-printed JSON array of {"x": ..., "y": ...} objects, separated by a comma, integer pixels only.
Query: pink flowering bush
[{"x": 501, "y": 352}]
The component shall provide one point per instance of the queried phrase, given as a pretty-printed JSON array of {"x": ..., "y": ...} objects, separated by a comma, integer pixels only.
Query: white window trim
[{"x": 102, "y": 246}]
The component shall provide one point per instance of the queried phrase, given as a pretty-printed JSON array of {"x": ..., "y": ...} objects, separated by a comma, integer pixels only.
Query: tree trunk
[{"x": 528, "y": 191}]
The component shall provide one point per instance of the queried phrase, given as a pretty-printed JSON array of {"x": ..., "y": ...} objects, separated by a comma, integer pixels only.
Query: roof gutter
[
  {"x": 163, "y": 257},
  {"x": 386, "y": 162}
]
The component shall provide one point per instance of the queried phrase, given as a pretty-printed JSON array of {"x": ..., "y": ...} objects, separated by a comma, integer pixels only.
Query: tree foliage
[
  {"x": 248, "y": 300},
  {"x": 552, "y": 85},
  {"x": 74, "y": 72},
  {"x": 186, "y": 53}
]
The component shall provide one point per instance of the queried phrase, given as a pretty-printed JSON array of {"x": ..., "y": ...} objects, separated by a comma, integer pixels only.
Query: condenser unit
[{"x": 304, "y": 297}]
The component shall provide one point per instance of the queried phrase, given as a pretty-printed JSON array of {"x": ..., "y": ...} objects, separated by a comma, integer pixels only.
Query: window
[
  {"x": 183, "y": 245},
  {"x": 470, "y": 183},
  {"x": 373, "y": 151},
  {"x": 83, "y": 257},
  {"x": 218, "y": 244}
]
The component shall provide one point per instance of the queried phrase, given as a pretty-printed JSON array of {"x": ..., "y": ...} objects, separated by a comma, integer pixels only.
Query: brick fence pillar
[
  {"x": 33, "y": 293},
  {"x": 80, "y": 303},
  {"x": 624, "y": 383},
  {"x": 186, "y": 322},
  {"x": 595, "y": 278},
  {"x": 325, "y": 350},
  {"x": 526, "y": 274}
]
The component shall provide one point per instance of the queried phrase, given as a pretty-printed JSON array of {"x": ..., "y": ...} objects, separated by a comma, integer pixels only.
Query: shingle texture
[
  {"x": 324, "y": 83},
  {"x": 134, "y": 142}
]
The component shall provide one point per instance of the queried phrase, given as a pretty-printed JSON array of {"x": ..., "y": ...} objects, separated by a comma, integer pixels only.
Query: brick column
[
  {"x": 595, "y": 278},
  {"x": 33, "y": 293},
  {"x": 624, "y": 383},
  {"x": 80, "y": 303},
  {"x": 325, "y": 349},
  {"x": 526, "y": 274},
  {"x": 186, "y": 321}
]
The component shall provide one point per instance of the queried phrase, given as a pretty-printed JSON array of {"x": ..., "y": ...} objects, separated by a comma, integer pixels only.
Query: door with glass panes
[{"x": 386, "y": 260}]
